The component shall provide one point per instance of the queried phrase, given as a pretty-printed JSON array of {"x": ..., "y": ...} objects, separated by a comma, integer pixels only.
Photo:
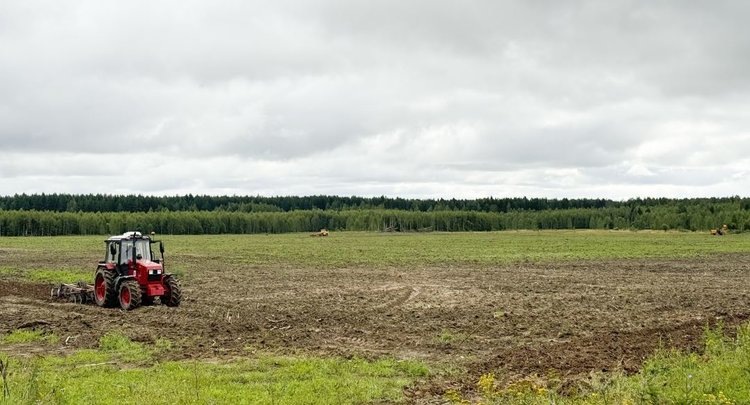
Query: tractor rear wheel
[
  {"x": 130, "y": 295},
  {"x": 104, "y": 288},
  {"x": 173, "y": 295}
]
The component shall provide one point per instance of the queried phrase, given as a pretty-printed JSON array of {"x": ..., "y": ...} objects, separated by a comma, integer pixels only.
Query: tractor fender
[
  {"x": 105, "y": 267},
  {"x": 119, "y": 280}
]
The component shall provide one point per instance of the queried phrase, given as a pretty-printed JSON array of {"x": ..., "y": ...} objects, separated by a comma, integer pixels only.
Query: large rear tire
[
  {"x": 130, "y": 295},
  {"x": 173, "y": 295},
  {"x": 105, "y": 294}
]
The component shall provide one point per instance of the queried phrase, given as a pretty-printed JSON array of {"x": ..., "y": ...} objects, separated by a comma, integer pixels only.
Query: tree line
[
  {"x": 697, "y": 216},
  {"x": 189, "y": 202}
]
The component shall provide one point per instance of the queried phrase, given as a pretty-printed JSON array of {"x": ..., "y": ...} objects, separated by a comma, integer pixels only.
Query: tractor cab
[{"x": 132, "y": 247}]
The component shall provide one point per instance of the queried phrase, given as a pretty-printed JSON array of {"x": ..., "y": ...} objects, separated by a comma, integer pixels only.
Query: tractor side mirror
[
  {"x": 161, "y": 248},
  {"x": 112, "y": 249}
]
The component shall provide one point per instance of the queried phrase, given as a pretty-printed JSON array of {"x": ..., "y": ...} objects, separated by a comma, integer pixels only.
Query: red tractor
[{"x": 131, "y": 274}]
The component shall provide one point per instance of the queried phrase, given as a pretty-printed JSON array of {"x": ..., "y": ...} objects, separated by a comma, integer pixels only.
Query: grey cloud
[{"x": 369, "y": 98}]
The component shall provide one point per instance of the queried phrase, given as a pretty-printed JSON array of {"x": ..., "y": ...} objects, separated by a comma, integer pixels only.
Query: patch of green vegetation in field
[
  {"x": 120, "y": 346},
  {"x": 55, "y": 276},
  {"x": 110, "y": 375},
  {"x": 721, "y": 375},
  {"x": 28, "y": 336},
  {"x": 447, "y": 337},
  {"x": 47, "y": 275},
  {"x": 8, "y": 271}
]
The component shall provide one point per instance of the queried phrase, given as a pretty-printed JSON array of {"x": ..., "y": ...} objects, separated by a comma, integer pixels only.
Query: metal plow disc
[{"x": 79, "y": 293}]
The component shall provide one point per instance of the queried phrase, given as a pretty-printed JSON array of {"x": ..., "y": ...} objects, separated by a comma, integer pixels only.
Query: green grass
[
  {"x": 447, "y": 337},
  {"x": 368, "y": 249},
  {"x": 47, "y": 275},
  {"x": 28, "y": 336},
  {"x": 110, "y": 375},
  {"x": 62, "y": 275},
  {"x": 76, "y": 256},
  {"x": 121, "y": 347}
]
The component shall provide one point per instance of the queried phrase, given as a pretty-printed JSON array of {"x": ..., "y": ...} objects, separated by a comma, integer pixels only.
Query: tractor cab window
[
  {"x": 126, "y": 251},
  {"x": 112, "y": 257},
  {"x": 142, "y": 250}
]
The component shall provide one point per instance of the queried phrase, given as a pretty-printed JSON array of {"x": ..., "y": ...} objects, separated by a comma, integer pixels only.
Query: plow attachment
[{"x": 80, "y": 293}]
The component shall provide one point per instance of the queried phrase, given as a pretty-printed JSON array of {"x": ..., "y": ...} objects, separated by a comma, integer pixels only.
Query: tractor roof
[{"x": 128, "y": 235}]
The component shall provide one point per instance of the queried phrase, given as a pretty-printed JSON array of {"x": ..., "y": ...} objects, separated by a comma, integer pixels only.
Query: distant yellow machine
[
  {"x": 719, "y": 232},
  {"x": 323, "y": 232}
]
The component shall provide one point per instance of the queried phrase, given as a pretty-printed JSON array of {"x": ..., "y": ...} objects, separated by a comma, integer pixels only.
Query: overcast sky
[{"x": 614, "y": 99}]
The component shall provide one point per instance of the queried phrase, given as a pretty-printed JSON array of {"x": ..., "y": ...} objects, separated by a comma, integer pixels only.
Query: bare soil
[{"x": 565, "y": 319}]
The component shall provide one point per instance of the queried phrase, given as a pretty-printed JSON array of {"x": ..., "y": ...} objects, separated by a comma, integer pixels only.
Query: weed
[
  {"x": 29, "y": 336},
  {"x": 531, "y": 390},
  {"x": 448, "y": 337},
  {"x": 4, "y": 375},
  {"x": 163, "y": 345}
]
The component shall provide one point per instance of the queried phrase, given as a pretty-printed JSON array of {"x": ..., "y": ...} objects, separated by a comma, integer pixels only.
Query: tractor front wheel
[
  {"x": 104, "y": 288},
  {"x": 173, "y": 295},
  {"x": 130, "y": 295}
]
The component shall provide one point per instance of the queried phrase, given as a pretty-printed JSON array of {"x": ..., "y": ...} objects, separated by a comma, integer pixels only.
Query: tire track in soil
[{"x": 409, "y": 294}]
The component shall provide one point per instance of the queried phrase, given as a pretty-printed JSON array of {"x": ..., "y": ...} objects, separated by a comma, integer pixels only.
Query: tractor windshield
[{"x": 142, "y": 250}]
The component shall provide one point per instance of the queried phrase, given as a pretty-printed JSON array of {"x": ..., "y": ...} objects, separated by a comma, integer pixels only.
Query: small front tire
[{"x": 173, "y": 296}]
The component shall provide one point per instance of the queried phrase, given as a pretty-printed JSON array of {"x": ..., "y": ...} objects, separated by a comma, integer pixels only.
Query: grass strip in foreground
[{"x": 125, "y": 372}]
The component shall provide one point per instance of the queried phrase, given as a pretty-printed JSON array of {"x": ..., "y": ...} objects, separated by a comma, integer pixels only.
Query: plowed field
[{"x": 568, "y": 317}]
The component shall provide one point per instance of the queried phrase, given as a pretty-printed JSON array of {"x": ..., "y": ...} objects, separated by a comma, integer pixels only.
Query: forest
[
  {"x": 65, "y": 214},
  {"x": 141, "y": 203}
]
